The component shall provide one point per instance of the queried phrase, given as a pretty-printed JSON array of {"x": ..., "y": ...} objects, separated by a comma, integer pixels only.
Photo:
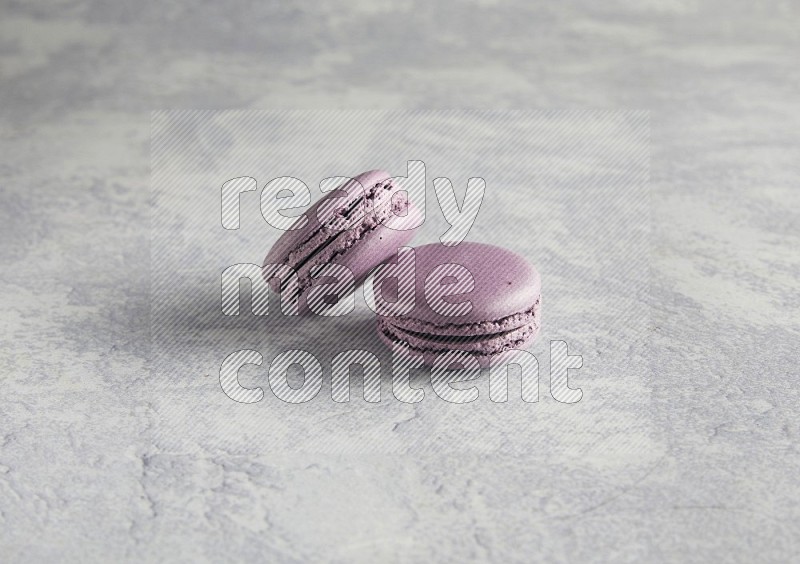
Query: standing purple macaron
[
  {"x": 358, "y": 225},
  {"x": 495, "y": 312}
]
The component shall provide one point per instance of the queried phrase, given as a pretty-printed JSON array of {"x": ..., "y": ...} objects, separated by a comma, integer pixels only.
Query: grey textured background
[{"x": 715, "y": 477}]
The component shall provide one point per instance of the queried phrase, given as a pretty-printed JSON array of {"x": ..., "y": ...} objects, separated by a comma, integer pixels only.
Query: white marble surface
[{"x": 711, "y": 473}]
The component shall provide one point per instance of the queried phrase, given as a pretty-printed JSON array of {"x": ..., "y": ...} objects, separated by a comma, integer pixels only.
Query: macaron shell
[
  {"x": 361, "y": 252},
  {"x": 379, "y": 244},
  {"x": 506, "y": 284},
  {"x": 373, "y": 240},
  {"x": 376, "y": 246}
]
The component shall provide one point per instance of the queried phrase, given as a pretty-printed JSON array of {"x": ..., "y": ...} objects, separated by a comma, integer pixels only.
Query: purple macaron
[
  {"x": 489, "y": 316},
  {"x": 358, "y": 225}
]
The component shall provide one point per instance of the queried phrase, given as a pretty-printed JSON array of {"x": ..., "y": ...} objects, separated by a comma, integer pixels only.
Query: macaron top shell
[{"x": 507, "y": 287}]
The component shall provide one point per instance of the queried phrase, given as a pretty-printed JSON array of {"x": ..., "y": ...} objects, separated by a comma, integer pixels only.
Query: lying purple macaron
[
  {"x": 358, "y": 225},
  {"x": 490, "y": 317}
]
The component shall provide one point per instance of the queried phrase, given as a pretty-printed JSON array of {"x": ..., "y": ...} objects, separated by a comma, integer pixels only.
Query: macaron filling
[
  {"x": 481, "y": 345},
  {"x": 481, "y": 338},
  {"x": 530, "y": 315}
]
